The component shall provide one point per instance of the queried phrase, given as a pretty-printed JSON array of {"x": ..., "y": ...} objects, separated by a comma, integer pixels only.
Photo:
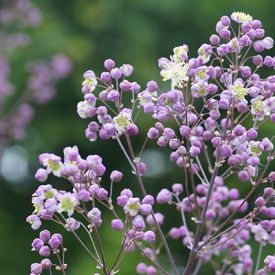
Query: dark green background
[{"x": 136, "y": 32}]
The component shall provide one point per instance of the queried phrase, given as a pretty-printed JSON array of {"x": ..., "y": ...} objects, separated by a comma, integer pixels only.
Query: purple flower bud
[
  {"x": 269, "y": 61},
  {"x": 117, "y": 224},
  {"x": 234, "y": 160},
  {"x": 226, "y": 150},
  {"x": 41, "y": 175},
  {"x": 210, "y": 214},
  {"x": 152, "y": 86},
  {"x": 101, "y": 193},
  {"x": 36, "y": 268},
  {"x": 141, "y": 268},
  {"x": 45, "y": 235},
  {"x": 109, "y": 64},
  {"x": 194, "y": 151},
  {"x": 177, "y": 188},
  {"x": 214, "y": 40},
  {"x": 127, "y": 69},
  {"x": 125, "y": 86},
  {"x": 164, "y": 196},
  {"x": 224, "y": 104},
  {"x": 148, "y": 199},
  {"x": 216, "y": 141},
  {"x": 260, "y": 202},
  {"x": 141, "y": 168},
  {"x": 153, "y": 133},
  {"x": 84, "y": 195},
  {"x": 138, "y": 223},
  {"x": 122, "y": 200},
  {"x": 37, "y": 244},
  {"x": 116, "y": 176},
  {"x": 45, "y": 251},
  {"x": 233, "y": 194},
  {"x": 251, "y": 133},
  {"x": 55, "y": 241},
  {"x": 271, "y": 176},
  {"x": 105, "y": 77},
  {"x": 72, "y": 224},
  {"x": 149, "y": 236},
  {"x": 46, "y": 264},
  {"x": 258, "y": 46},
  {"x": 145, "y": 208},
  {"x": 225, "y": 34},
  {"x": 225, "y": 20},
  {"x": 268, "y": 191},
  {"x": 185, "y": 131},
  {"x": 245, "y": 71},
  {"x": 116, "y": 73},
  {"x": 132, "y": 129},
  {"x": 257, "y": 60},
  {"x": 151, "y": 270},
  {"x": 243, "y": 176},
  {"x": 253, "y": 161}
]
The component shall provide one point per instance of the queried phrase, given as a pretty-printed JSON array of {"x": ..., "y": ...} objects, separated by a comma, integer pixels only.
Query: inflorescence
[{"x": 217, "y": 104}]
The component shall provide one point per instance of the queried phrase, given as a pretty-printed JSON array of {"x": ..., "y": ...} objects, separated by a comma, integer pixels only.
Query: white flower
[
  {"x": 84, "y": 108},
  {"x": 67, "y": 203},
  {"x": 176, "y": 72},
  {"x": 180, "y": 53},
  {"x": 132, "y": 206},
  {"x": 257, "y": 105},
  {"x": 238, "y": 89},
  {"x": 255, "y": 148},
  {"x": 123, "y": 120},
  {"x": 241, "y": 17},
  {"x": 89, "y": 83},
  {"x": 52, "y": 162}
]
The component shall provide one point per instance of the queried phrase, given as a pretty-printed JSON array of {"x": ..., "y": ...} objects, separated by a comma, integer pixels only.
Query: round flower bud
[
  {"x": 257, "y": 60},
  {"x": 164, "y": 196},
  {"x": 152, "y": 86},
  {"x": 116, "y": 73},
  {"x": 148, "y": 199},
  {"x": 117, "y": 224},
  {"x": 84, "y": 195},
  {"x": 149, "y": 236},
  {"x": 41, "y": 175},
  {"x": 145, "y": 209},
  {"x": 177, "y": 188},
  {"x": 36, "y": 268},
  {"x": 141, "y": 268},
  {"x": 225, "y": 20},
  {"x": 260, "y": 202},
  {"x": 45, "y": 251},
  {"x": 109, "y": 64},
  {"x": 46, "y": 263},
  {"x": 271, "y": 176},
  {"x": 185, "y": 131},
  {"x": 116, "y": 176},
  {"x": 45, "y": 235},
  {"x": 243, "y": 176},
  {"x": 226, "y": 150},
  {"x": 251, "y": 133}
]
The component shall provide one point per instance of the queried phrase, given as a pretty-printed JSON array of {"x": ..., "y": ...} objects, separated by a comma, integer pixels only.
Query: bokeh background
[{"x": 89, "y": 31}]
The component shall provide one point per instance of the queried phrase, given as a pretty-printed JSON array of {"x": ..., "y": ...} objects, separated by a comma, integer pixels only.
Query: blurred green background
[{"x": 133, "y": 31}]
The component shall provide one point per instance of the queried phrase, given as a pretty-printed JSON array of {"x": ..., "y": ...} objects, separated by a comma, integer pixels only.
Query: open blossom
[
  {"x": 176, "y": 72},
  {"x": 89, "y": 83},
  {"x": 123, "y": 120},
  {"x": 241, "y": 17}
]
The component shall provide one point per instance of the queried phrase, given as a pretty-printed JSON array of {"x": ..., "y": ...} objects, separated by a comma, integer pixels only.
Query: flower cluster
[
  {"x": 43, "y": 76},
  {"x": 210, "y": 120}
]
